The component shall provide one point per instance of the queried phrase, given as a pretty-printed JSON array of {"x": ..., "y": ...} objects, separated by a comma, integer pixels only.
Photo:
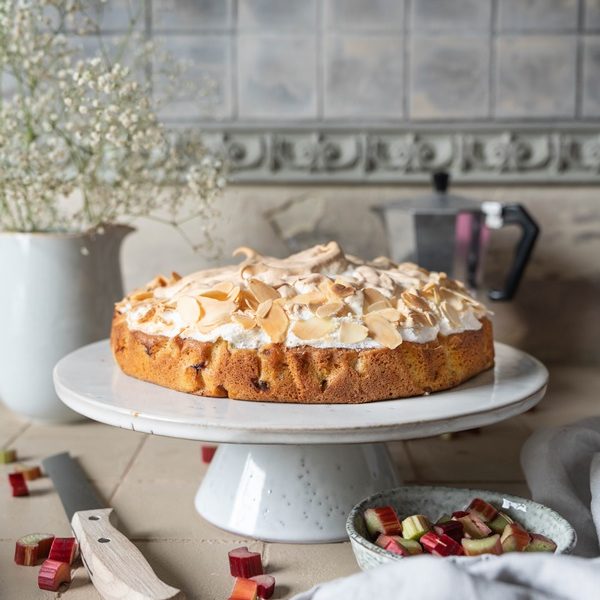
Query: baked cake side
[{"x": 317, "y": 327}]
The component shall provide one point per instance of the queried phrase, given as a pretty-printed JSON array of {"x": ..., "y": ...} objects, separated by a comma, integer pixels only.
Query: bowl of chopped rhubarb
[{"x": 452, "y": 522}]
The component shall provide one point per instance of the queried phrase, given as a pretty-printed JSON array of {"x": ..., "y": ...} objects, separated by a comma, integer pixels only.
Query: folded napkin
[{"x": 562, "y": 467}]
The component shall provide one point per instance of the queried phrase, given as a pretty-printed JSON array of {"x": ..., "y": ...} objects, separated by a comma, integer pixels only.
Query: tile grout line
[
  {"x": 128, "y": 468},
  {"x": 12, "y": 439}
]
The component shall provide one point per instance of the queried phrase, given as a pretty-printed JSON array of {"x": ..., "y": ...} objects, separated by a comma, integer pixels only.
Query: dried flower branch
[{"x": 80, "y": 143}]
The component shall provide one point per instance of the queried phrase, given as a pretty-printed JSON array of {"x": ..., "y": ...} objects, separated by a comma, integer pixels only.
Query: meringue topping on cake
[{"x": 318, "y": 297}]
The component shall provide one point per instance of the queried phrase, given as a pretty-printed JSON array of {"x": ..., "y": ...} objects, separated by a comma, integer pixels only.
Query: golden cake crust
[{"x": 303, "y": 374}]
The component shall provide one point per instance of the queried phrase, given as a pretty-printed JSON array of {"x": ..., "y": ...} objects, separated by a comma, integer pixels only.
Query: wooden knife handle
[{"x": 116, "y": 567}]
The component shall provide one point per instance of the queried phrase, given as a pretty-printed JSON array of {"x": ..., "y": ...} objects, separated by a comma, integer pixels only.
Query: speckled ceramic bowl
[{"x": 436, "y": 501}]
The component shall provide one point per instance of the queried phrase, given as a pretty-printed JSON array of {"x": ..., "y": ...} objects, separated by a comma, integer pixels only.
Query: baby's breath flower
[{"x": 80, "y": 144}]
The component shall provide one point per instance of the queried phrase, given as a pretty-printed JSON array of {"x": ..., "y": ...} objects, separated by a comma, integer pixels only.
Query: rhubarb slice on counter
[
  {"x": 243, "y": 563},
  {"x": 207, "y": 453},
  {"x": 18, "y": 484},
  {"x": 33, "y": 548},
  {"x": 382, "y": 520},
  {"x": 53, "y": 574},
  {"x": 488, "y": 545},
  {"x": 29, "y": 473},
  {"x": 540, "y": 543},
  {"x": 514, "y": 538},
  {"x": 7, "y": 456},
  {"x": 498, "y": 524},
  {"x": 63, "y": 550},
  {"x": 415, "y": 526},
  {"x": 266, "y": 585},
  {"x": 244, "y": 589},
  {"x": 483, "y": 510},
  {"x": 474, "y": 527},
  {"x": 440, "y": 545}
]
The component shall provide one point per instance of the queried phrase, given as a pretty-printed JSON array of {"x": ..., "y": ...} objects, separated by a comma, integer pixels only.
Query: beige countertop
[{"x": 151, "y": 482}]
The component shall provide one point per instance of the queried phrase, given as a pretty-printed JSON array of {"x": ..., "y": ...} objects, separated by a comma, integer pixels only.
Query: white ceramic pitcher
[{"x": 57, "y": 293}]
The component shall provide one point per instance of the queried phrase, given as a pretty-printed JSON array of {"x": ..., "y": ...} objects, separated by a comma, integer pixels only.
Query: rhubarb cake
[{"x": 317, "y": 327}]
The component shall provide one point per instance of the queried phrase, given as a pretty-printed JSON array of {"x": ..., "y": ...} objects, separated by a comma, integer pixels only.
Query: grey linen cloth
[{"x": 562, "y": 467}]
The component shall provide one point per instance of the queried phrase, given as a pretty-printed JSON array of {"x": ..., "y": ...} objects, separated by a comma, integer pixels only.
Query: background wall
[
  {"x": 381, "y": 60},
  {"x": 320, "y": 94}
]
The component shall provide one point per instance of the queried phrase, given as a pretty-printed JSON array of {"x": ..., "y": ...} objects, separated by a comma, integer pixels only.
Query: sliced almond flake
[
  {"x": 450, "y": 313},
  {"x": 246, "y": 321},
  {"x": 214, "y": 294},
  {"x": 262, "y": 291},
  {"x": 329, "y": 310},
  {"x": 263, "y": 308},
  {"x": 390, "y": 314},
  {"x": 383, "y": 331},
  {"x": 275, "y": 324},
  {"x": 432, "y": 290},
  {"x": 175, "y": 276},
  {"x": 189, "y": 310},
  {"x": 315, "y": 297},
  {"x": 224, "y": 286},
  {"x": 140, "y": 296},
  {"x": 379, "y": 305},
  {"x": 418, "y": 319},
  {"x": 352, "y": 333},
  {"x": 247, "y": 300},
  {"x": 313, "y": 329},
  {"x": 234, "y": 293},
  {"x": 216, "y": 312},
  {"x": 158, "y": 281},
  {"x": 148, "y": 315},
  {"x": 414, "y": 301},
  {"x": 342, "y": 291},
  {"x": 372, "y": 295}
]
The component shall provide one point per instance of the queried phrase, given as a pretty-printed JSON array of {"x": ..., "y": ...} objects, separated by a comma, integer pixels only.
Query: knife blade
[{"x": 116, "y": 567}]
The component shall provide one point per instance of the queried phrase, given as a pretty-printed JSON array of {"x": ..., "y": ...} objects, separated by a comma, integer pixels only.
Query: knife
[{"x": 116, "y": 567}]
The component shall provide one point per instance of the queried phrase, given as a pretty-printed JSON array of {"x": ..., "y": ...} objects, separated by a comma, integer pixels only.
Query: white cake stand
[{"x": 292, "y": 472}]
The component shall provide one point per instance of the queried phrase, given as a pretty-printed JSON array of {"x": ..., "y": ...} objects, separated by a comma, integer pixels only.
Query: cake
[{"x": 316, "y": 327}]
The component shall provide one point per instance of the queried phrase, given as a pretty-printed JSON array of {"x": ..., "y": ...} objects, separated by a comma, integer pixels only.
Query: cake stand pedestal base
[{"x": 292, "y": 493}]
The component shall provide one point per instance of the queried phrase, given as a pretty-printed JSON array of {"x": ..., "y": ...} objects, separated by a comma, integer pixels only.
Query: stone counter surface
[{"x": 151, "y": 482}]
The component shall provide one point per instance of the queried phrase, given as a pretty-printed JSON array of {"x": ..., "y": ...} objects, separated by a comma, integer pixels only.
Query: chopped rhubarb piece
[
  {"x": 514, "y": 538},
  {"x": 412, "y": 546},
  {"x": 382, "y": 520},
  {"x": 243, "y": 563},
  {"x": 8, "y": 456},
  {"x": 482, "y": 509},
  {"x": 395, "y": 548},
  {"x": 17, "y": 482},
  {"x": 207, "y": 453},
  {"x": 415, "y": 526},
  {"x": 459, "y": 514},
  {"x": 29, "y": 473},
  {"x": 383, "y": 540},
  {"x": 33, "y": 548},
  {"x": 63, "y": 549},
  {"x": 244, "y": 589},
  {"x": 489, "y": 545},
  {"x": 474, "y": 527},
  {"x": 540, "y": 543},
  {"x": 53, "y": 574},
  {"x": 440, "y": 545},
  {"x": 266, "y": 585},
  {"x": 453, "y": 529},
  {"x": 444, "y": 519},
  {"x": 499, "y": 523}
]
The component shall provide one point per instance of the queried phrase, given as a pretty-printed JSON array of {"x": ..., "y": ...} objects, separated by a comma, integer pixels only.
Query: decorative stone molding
[{"x": 509, "y": 155}]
